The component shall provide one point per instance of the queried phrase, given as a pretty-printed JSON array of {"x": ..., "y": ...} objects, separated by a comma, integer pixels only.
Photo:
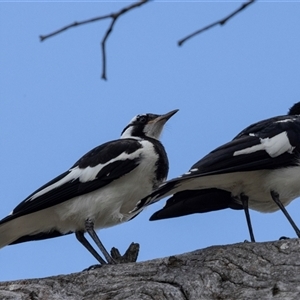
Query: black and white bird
[
  {"x": 98, "y": 191},
  {"x": 259, "y": 169}
]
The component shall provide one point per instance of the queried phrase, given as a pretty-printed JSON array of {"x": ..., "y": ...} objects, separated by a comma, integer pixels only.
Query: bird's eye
[{"x": 142, "y": 119}]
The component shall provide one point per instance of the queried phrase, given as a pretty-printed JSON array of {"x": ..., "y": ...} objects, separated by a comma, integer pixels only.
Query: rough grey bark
[{"x": 241, "y": 271}]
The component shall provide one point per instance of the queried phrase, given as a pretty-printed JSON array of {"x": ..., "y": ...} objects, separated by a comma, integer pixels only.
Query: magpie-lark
[
  {"x": 258, "y": 169},
  {"x": 98, "y": 191}
]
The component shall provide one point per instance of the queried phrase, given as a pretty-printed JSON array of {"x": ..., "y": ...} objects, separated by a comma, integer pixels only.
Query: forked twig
[{"x": 113, "y": 16}]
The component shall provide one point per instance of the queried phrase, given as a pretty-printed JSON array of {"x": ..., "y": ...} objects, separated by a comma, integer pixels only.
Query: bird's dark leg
[
  {"x": 275, "y": 197},
  {"x": 81, "y": 238},
  {"x": 244, "y": 200},
  {"x": 89, "y": 227}
]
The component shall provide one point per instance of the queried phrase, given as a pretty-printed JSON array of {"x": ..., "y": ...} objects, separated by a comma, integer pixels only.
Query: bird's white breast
[{"x": 111, "y": 204}]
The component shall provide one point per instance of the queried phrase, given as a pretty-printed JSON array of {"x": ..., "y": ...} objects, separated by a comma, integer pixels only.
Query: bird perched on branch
[
  {"x": 98, "y": 191},
  {"x": 259, "y": 169}
]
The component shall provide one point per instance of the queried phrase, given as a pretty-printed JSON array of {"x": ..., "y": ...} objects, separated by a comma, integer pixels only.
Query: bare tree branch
[
  {"x": 113, "y": 16},
  {"x": 220, "y": 22},
  {"x": 241, "y": 271}
]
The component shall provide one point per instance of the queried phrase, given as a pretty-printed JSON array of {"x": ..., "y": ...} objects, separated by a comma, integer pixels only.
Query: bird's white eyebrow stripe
[
  {"x": 86, "y": 174},
  {"x": 274, "y": 146}
]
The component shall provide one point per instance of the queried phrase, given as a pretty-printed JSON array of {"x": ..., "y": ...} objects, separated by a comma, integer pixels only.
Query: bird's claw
[
  {"x": 93, "y": 267},
  {"x": 284, "y": 238}
]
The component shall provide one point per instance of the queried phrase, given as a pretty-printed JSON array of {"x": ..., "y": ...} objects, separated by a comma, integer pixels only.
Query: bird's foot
[
  {"x": 130, "y": 255},
  {"x": 284, "y": 238},
  {"x": 93, "y": 267}
]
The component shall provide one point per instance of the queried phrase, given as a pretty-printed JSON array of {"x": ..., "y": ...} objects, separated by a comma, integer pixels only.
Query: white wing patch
[
  {"x": 86, "y": 174},
  {"x": 90, "y": 173},
  {"x": 73, "y": 175},
  {"x": 274, "y": 146},
  {"x": 286, "y": 120},
  {"x": 190, "y": 172}
]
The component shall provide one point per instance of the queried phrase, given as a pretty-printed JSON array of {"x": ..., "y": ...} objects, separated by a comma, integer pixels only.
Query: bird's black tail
[{"x": 196, "y": 201}]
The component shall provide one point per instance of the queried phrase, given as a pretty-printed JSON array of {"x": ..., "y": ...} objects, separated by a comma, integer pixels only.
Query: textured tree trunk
[{"x": 241, "y": 271}]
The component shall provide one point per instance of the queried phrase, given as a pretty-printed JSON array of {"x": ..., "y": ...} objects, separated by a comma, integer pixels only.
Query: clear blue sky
[{"x": 54, "y": 108}]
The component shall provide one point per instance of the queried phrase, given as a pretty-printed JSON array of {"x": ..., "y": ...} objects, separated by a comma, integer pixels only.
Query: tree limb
[
  {"x": 113, "y": 16},
  {"x": 241, "y": 271},
  {"x": 220, "y": 22}
]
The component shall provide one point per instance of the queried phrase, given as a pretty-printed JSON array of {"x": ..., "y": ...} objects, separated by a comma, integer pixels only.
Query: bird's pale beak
[{"x": 164, "y": 117}]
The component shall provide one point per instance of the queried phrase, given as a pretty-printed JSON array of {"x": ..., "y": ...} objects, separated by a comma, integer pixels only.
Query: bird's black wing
[
  {"x": 94, "y": 170},
  {"x": 270, "y": 144}
]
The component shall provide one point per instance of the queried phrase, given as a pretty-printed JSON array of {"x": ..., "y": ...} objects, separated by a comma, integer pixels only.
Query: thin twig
[
  {"x": 103, "y": 44},
  {"x": 220, "y": 22},
  {"x": 113, "y": 16},
  {"x": 44, "y": 37}
]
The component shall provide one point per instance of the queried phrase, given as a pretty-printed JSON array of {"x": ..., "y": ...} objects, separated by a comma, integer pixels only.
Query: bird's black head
[
  {"x": 295, "y": 109},
  {"x": 149, "y": 125}
]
